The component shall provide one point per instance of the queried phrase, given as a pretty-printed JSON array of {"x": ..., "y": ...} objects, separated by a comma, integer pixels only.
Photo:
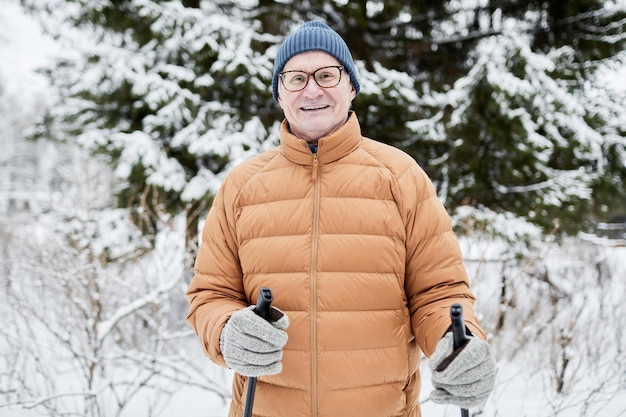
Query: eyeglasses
[{"x": 325, "y": 77}]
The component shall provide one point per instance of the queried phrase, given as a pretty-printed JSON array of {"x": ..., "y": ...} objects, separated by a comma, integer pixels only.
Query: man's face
[{"x": 315, "y": 112}]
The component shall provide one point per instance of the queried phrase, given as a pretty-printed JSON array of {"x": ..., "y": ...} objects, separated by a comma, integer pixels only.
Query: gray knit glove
[
  {"x": 464, "y": 377},
  {"x": 253, "y": 346}
]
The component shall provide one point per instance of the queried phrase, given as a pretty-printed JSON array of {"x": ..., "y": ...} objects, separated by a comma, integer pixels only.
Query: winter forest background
[{"x": 111, "y": 151}]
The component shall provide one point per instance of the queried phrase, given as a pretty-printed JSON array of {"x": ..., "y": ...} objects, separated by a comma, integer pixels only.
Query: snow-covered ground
[{"x": 523, "y": 386}]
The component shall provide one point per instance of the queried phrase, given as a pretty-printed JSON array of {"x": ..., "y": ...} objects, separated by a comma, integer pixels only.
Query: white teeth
[{"x": 314, "y": 107}]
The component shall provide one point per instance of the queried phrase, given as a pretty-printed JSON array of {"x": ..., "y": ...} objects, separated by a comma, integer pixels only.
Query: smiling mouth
[{"x": 312, "y": 108}]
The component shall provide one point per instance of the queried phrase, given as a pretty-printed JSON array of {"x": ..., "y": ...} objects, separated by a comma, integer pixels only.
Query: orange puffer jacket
[{"x": 358, "y": 252}]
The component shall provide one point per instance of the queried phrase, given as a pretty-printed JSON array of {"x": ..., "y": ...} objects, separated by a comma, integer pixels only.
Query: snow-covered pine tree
[
  {"x": 523, "y": 141},
  {"x": 174, "y": 95},
  {"x": 530, "y": 129},
  {"x": 176, "y": 92}
]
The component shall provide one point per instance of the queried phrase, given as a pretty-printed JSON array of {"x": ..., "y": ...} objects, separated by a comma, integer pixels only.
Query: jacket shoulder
[
  {"x": 242, "y": 173},
  {"x": 394, "y": 159}
]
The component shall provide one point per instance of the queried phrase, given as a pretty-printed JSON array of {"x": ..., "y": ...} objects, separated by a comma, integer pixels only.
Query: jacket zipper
[
  {"x": 314, "y": 170},
  {"x": 313, "y": 287}
]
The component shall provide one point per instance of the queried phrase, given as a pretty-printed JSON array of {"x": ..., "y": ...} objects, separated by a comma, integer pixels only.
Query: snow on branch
[{"x": 105, "y": 327}]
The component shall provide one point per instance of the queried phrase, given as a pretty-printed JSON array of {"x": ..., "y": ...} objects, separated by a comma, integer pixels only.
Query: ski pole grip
[
  {"x": 263, "y": 303},
  {"x": 458, "y": 325},
  {"x": 262, "y": 309},
  {"x": 458, "y": 335}
]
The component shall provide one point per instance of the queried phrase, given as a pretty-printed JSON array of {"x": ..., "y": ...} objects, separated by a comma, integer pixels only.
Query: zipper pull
[{"x": 314, "y": 173}]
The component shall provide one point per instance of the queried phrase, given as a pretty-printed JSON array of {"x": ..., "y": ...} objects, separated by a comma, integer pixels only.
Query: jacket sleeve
[
  {"x": 435, "y": 277},
  {"x": 216, "y": 290}
]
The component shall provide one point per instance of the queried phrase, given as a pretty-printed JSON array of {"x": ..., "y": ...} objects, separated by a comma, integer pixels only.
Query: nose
[{"x": 311, "y": 88}]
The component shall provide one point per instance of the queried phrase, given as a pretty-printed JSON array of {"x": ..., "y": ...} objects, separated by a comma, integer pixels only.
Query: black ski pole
[
  {"x": 262, "y": 310},
  {"x": 458, "y": 335}
]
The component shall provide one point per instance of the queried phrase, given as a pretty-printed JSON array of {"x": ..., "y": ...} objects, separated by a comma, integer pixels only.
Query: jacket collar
[{"x": 329, "y": 148}]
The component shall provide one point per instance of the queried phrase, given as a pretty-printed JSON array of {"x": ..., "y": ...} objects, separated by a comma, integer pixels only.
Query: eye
[
  {"x": 325, "y": 75},
  {"x": 295, "y": 77}
]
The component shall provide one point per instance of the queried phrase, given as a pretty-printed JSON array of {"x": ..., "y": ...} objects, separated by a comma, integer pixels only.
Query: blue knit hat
[{"x": 314, "y": 36}]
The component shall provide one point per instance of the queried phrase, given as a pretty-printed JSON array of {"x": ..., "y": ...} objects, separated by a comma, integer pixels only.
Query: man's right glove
[
  {"x": 465, "y": 376},
  {"x": 253, "y": 346}
]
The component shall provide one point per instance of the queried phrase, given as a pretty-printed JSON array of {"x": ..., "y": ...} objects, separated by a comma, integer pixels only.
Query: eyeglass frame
[{"x": 309, "y": 75}]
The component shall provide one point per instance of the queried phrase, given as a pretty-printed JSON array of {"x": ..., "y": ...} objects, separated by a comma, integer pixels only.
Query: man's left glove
[{"x": 463, "y": 377}]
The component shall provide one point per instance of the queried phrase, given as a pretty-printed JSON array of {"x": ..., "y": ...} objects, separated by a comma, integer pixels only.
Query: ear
[{"x": 352, "y": 92}]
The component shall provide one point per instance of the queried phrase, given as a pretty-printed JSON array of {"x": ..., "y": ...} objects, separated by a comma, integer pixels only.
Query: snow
[
  {"x": 23, "y": 49},
  {"x": 523, "y": 387}
]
